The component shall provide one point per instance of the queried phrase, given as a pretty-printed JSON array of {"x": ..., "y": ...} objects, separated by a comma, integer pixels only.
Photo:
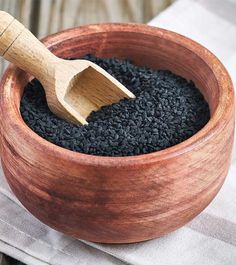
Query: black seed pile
[{"x": 167, "y": 110}]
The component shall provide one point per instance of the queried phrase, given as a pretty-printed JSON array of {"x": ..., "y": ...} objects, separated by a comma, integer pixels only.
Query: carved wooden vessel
[{"x": 121, "y": 199}]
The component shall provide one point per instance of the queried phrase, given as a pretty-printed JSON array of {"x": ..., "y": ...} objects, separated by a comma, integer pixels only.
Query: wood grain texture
[
  {"x": 121, "y": 199},
  {"x": 21, "y": 9},
  {"x": 73, "y": 88},
  {"x": 44, "y": 17},
  {"x": 56, "y": 15}
]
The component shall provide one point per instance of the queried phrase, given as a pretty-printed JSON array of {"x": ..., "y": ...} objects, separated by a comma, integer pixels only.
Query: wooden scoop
[{"x": 73, "y": 88}]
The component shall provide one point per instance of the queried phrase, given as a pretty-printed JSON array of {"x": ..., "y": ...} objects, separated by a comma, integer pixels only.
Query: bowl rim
[{"x": 225, "y": 104}]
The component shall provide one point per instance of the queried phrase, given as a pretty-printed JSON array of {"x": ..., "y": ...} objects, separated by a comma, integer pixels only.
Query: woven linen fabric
[{"x": 210, "y": 239}]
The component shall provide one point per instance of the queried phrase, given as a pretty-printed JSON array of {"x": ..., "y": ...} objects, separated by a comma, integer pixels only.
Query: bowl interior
[
  {"x": 157, "y": 49},
  {"x": 142, "y": 49}
]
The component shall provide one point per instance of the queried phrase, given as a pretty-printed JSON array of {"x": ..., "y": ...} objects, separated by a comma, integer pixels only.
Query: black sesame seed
[{"x": 166, "y": 111}]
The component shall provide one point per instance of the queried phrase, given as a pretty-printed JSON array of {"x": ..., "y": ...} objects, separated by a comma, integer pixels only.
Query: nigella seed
[{"x": 166, "y": 111}]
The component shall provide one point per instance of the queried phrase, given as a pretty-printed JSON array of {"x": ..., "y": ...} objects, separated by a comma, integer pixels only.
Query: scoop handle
[{"x": 19, "y": 46}]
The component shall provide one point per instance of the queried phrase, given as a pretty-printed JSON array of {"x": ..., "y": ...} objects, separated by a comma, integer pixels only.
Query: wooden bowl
[{"x": 121, "y": 199}]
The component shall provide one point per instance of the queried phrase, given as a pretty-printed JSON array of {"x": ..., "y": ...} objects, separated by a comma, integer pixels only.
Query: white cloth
[{"x": 210, "y": 239}]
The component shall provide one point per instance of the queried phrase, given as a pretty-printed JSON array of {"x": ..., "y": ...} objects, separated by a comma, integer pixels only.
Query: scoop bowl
[{"x": 73, "y": 88}]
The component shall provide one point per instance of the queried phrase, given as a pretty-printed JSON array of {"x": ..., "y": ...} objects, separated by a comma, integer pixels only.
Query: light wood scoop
[{"x": 73, "y": 88}]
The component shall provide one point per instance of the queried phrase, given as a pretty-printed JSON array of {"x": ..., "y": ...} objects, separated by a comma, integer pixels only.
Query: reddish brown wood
[{"x": 122, "y": 199}]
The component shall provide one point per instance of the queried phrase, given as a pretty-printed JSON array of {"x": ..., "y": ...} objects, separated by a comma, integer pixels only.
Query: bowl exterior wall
[{"x": 111, "y": 200}]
